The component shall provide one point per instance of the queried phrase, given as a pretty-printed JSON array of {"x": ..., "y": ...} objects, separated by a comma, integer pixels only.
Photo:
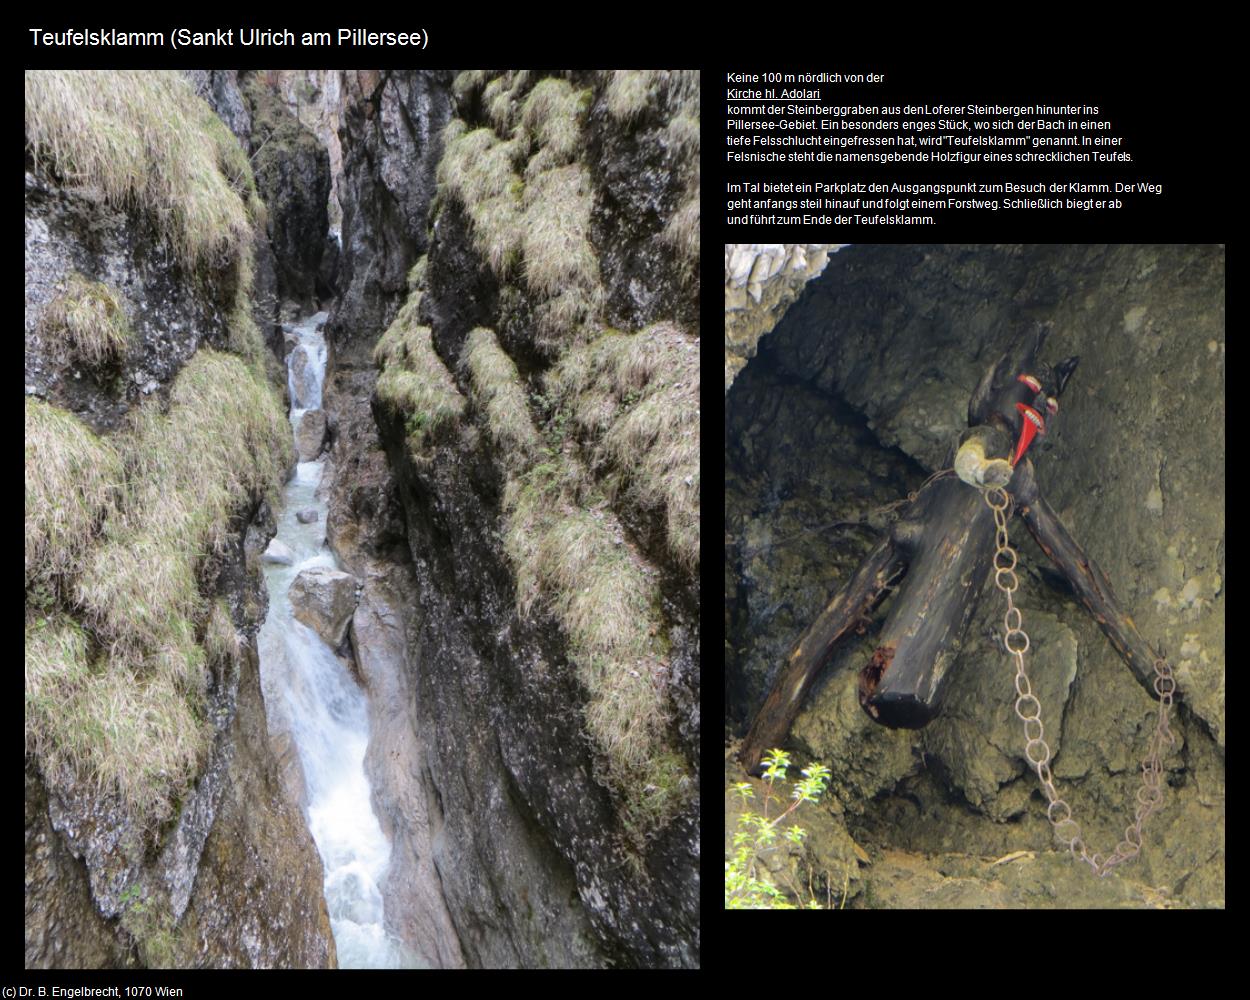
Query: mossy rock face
[
  {"x": 572, "y": 622},
  {"x": 133, "y": 186}
]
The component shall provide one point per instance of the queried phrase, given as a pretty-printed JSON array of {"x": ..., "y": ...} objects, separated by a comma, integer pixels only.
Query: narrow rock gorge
[{"x": 362, "y": 496}]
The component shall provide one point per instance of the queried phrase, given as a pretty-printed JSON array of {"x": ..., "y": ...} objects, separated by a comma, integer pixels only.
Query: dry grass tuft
[
  {"x": 634, "y": 398},
  {"x": 466, "y": 84},
  {"x": 682, "y": 230},
  {"x": 119, "y": 698},
  {"x": 133, "y": 732},
  {"x": 575, "y": 561},
  {"x": 478, "y": 168},
  {"x": 414, "y": 382},
  {"x": 557, "y": 217},
  {"x": 553, "y": 114},
  {"x": 143, "y": 137},
  {"x": 89, "y": 320},
  {"x": 73, "y": 478},
  {"x": 496, "y": 383},
  {"x": 631, "y": 91},
  {"x": 224, "y": 443}
]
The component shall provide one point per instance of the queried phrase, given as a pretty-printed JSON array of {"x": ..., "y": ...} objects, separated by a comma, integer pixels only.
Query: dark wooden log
[
  {"x": 847, "y": 609},
  {"x": 903, "y": 685},
  {"x": 1088, "y": 581}
]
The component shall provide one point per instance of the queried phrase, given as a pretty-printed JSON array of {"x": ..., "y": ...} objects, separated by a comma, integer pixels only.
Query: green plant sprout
[{"x": 758, "y": 834}]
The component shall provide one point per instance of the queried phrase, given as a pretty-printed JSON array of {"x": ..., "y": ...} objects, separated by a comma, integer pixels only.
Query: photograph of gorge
[{"x": 362, "y": 519}]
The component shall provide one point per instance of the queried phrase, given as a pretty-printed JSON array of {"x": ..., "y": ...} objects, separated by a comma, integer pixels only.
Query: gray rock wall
[{"x": 389, "y": 131}]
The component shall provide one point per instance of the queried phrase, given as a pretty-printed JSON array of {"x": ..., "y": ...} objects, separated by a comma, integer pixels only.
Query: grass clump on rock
[
  {"x": 635, "y": 399},
  {"x": 553, "y": 113},
  {"x": 73, "y": 479},
  {"x": 88, "y": 319},
  {"x": 574, "y": 561},
  {"x": 223, "y": 442},
  {"x": 143, "y": 137},
  {"x": 477, "y": 167},
  {"x": 630, "y": 91},
  {"x": 116, "y": 681},
  {"x": 128, "y": 726},
  {"x": 414, "y": 383},
  {"x": 496, "y": 383}
]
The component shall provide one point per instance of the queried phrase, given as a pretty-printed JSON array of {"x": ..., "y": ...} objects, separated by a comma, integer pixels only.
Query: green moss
[
  {"x": 498, "y": 386},
  {"x": 149, "y": 922},
  {"x": 88, "y": 320},
  {"x": 73, "y": 478},
  {"x": 416, "y": 275},
  {"x": 276, "y": 133},
  {"x": 144, "y": 137}
]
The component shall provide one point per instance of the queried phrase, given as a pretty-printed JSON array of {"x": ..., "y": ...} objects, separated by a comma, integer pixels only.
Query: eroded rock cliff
[
  {"x": 157, "y": 833},
  {"x": 522, "y": 501}
]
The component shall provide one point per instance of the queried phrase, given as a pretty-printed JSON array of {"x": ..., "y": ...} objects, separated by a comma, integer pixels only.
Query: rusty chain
[{"x": 1036, "y": 751}]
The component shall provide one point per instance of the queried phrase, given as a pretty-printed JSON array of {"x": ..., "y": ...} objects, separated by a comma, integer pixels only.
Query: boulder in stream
[
  {"x": 307, "y": 516},
  {"x": 303, "y": 376},
  {"x": 311, "y": 435},
  {"x": 279, "y": 553},
  {"x": 324, "y": 599}
]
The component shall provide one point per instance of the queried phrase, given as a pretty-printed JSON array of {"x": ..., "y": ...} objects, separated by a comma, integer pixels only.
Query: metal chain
[{"x": 1016, "y": 642}]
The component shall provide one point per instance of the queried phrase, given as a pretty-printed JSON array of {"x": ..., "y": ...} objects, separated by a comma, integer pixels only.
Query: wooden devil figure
[{"x": 937, "y": 557}]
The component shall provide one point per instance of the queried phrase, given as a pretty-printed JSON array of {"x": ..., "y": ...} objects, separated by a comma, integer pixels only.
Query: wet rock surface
[
  {"x": 293, "y": 177},
  {"x": 303, "y": 377},
  {"x": 851, "y": 403},
  {"x": 390, "y": 126},
  {"x": 310, "y": 435},
  {"x": 278, "y": 552},
  {"x": 257, "y": 900},
  {"x": 324, "y": 600}
]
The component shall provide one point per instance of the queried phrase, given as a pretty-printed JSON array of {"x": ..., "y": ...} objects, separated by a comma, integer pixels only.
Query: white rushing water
[{"x": 311, "y": 695}]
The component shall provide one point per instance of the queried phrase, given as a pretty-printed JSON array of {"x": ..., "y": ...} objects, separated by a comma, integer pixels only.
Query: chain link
[{"x": 1036, "y": 751}]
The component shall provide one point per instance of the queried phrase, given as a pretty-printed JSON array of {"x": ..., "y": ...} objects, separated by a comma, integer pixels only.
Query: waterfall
[{"x": 312, "y": 696}]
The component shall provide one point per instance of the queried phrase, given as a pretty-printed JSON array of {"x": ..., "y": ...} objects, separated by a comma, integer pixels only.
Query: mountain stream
[{"x": 311, "y": 695}]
